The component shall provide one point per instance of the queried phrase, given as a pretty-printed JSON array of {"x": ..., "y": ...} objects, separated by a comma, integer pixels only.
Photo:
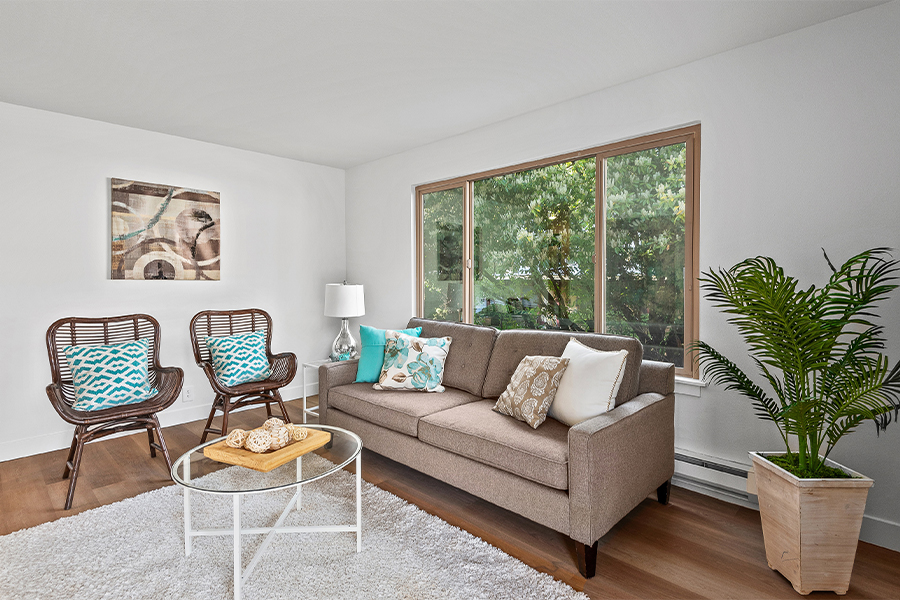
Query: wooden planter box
[{"x": 810, "y": 526}]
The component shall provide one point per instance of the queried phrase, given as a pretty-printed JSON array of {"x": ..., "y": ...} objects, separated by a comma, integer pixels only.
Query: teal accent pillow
[
  {"x": 239, "y": 358},
  {"x": 105, "y": 376},
  {"x": 371, "y": 352}
]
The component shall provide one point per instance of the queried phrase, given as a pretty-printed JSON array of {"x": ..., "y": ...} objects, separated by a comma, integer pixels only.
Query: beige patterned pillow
[{"x": 532, "y": 388}]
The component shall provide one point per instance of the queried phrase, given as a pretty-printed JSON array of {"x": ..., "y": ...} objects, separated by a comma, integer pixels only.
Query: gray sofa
[{"x": 578, "y": 480}]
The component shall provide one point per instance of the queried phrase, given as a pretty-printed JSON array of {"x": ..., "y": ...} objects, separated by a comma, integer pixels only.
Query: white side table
[{"x": 314, "y": 364}]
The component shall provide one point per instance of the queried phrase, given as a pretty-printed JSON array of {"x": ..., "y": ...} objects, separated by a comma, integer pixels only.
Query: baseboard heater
[{"x": 708, "y": 464}]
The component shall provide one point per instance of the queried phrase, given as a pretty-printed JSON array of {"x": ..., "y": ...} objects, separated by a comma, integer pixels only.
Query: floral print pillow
[
  {"x": 412, "y": 363},
  {"x": 532, "y": 388}
]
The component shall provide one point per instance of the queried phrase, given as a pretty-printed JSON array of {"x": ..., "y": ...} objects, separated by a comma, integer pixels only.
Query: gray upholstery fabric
[
  {"x": 515, "y": 344},
  {"x": 469, "y": 352},
  {"x": 395, "y": 409},
  {"x": 616, "y": 460},
  {"x": 612, "y": 462},
  {"x": 657, "y": 377},
  {"x": 477, "y": 432},
  {"x": 332, "y": 375},
  {"x": 533, "y": 501}
]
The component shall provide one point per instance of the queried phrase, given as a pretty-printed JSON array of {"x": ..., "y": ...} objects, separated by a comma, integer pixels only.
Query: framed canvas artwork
[{"x": 164, "y": 232}]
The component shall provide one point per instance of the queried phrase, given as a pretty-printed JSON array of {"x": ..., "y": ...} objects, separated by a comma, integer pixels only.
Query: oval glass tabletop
[{"x": 196, "y": 471}]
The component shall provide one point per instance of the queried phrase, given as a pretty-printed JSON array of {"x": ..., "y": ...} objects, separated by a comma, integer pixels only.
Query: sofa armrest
[
  {"x": 332, "y": 375},
  {"x": 616, "y": 460},
  {"x": 658, "y": 377}
]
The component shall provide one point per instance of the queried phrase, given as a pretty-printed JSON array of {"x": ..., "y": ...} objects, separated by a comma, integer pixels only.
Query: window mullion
[
  {"x": 691, "y": 256},
  {"x": 420, "y": 253},
  {"x": 600, "y": 246},
  {"x": 468, "y": 253}
]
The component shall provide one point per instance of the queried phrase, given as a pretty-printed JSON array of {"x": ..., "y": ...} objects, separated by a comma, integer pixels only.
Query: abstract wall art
[{"x": 164, "y": 232}]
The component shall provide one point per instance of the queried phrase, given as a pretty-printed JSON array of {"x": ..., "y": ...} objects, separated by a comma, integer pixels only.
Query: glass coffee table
[{"x": 344, "y": 448}]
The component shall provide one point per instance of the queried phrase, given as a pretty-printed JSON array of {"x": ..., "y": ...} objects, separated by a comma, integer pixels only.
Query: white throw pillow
[{"x": 589, "y": 385}]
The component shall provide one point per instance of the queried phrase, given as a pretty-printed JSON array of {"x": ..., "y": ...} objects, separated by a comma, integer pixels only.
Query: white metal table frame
[
  {"x": 313, "y": 364},
  {"x": 236, "y": 531}
]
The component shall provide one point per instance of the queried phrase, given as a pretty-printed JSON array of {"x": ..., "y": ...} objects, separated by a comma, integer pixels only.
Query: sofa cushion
[
  {"x": 468, "y": 359},
  {"x": 395, "y": 409},
  {"x": 514, "y": 344},
  {"x": 475, "y": 431}
]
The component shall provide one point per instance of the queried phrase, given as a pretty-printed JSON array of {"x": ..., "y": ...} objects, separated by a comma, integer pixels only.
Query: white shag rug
[{"x": 134, "y": 549}]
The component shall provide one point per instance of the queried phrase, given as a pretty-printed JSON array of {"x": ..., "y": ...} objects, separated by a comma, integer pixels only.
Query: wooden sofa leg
[
  {"x": 587, "y": 559},
  {"x": 663, "y": 491}
]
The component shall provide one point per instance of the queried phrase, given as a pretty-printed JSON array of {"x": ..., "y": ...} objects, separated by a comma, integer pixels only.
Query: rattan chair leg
[
  {"x": 212, "y": 414},
  {"x": 68, "y": 470},
  {"x": 79, "y": 449},
  {"x": 162, "y": 442},
  {"x": 152, "y": 441},
  {"x": 284, "y": 413},
  {"x": 225, "y": 417}
]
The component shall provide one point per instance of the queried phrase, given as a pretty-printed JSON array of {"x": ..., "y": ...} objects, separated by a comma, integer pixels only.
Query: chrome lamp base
[{"x": 344, "y": 346}]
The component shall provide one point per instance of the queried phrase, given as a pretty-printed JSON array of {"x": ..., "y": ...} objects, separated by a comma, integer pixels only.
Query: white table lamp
[{"x": 344, "y": 301}]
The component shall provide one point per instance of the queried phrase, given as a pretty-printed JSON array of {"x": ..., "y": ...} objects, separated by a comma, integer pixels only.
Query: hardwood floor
[{"x": 696, "y": 547}]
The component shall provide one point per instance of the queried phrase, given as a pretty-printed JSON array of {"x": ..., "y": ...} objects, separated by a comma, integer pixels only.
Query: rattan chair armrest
[
  {"x": 54, "y": 392},
  {"x": 168, "y": 383},
  {"x": 210, "y": 373},
  {"x": 284, "y": 367}
]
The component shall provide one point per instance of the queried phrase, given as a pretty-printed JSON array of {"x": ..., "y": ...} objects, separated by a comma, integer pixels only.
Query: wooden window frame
[{"x": 690, "y": 136}]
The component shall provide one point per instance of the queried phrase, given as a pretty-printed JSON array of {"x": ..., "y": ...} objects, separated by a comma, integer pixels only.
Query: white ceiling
[{"x": 342, "y": 83}]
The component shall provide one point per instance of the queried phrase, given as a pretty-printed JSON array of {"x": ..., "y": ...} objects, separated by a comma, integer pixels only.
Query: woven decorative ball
[
  {"x": 259, "y": 440},
  {"x": 236, "y": 438},
  {"x": 297, "y": 433},
  {"x": 280, "y": 438},
  {"x": 273, "y": 423}
]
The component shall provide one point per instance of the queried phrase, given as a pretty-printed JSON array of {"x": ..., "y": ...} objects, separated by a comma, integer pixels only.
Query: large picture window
[{"x": 600, "y": 240}]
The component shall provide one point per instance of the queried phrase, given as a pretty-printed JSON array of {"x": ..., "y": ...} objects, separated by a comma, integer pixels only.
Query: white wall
[
  {"x": 282, "y": 240},
  {"x": 800, "y": 150}
]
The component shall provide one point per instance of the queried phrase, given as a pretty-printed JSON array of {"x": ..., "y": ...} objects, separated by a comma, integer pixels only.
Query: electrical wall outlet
[{"x": 187, "y": 395}]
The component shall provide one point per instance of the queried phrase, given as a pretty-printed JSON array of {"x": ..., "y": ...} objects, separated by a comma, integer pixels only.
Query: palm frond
[
  {"x": 718, "y": 370},
  {"x": 819, "y": 348}
]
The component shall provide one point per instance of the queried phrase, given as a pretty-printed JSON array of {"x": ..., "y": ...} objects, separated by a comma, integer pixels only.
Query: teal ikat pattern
[
  {"x": 239, "y": 358},
  {"x": 106, "y": 376}
]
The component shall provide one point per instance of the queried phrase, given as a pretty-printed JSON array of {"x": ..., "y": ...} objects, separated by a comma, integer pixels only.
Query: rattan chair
[
  {"x": 217, "y": 323},
  {"x": 91, "y": 425}
]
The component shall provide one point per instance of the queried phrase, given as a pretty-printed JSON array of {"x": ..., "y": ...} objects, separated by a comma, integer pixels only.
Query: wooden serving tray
[{"x": 272, "y": 459}]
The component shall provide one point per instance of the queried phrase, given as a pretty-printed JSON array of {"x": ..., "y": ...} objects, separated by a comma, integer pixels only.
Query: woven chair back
[
  {"x": 219, "y": 323},
  {"x": 100, "y": 331}
]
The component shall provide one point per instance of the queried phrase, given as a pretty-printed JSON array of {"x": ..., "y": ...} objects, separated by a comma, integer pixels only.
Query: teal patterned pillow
[
  {"x": 239, "y": 358},
  {"x": 412, "y": 363},
  {"x": 106, "y": 376}
]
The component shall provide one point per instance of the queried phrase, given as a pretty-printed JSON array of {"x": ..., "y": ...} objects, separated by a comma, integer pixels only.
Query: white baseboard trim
[
  {"x": 880, "y": 532},
  {"x": 715, "y": 490},
  {"x": 38, "y": 444},
  {"x": 875, "y": 530}
]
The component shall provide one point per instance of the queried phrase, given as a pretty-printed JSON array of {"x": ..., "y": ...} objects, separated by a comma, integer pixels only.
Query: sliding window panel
[
  {"x": 645, "y": 249},
  {"x": 533, "y": 247},
  {"x": 443, "y": 255}
]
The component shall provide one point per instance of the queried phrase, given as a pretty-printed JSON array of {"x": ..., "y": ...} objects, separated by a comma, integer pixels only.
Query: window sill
[{"x": 686, "y": 386}]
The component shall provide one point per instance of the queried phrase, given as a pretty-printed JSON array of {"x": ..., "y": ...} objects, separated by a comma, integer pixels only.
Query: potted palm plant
[{"x": 818, "y": 353}]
